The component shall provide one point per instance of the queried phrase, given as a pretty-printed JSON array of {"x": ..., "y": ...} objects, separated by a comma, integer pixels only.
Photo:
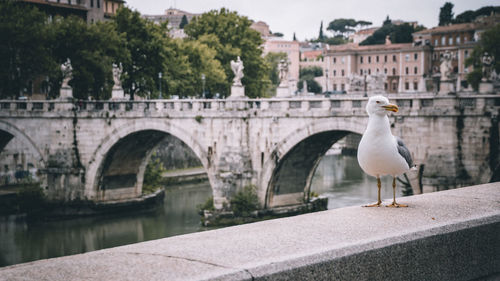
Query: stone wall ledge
[{"x": 448, "y": 235}]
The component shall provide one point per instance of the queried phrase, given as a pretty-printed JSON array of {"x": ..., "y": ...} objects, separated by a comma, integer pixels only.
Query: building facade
[{"x": 291, "y": 48}]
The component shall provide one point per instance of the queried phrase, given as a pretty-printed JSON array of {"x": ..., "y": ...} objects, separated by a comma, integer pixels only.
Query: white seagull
[{"x": 379, "y": 152}]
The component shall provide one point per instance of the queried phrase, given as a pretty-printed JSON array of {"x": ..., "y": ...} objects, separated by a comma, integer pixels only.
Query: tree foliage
[
  {"x": 470, "y": 16},
  {"x": 344, "y": 26},
  {"x": 446, "y": 14},
  {"x": 92, "y": 50},
  {"x": 489, "y": 43},
  {"x": 314, "y": 71},
  {"x": 184, "y": 22},
  {"x": 321, "y": 36},
  {"x": 24, "y": 48},
  {"x": 401, "y": 33},
  {"x": 231, "y": 36},
  {"x": 307, "y": 74}
]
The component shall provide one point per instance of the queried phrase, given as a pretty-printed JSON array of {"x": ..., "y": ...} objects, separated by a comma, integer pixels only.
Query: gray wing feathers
[{"x": 404, "y": 152}]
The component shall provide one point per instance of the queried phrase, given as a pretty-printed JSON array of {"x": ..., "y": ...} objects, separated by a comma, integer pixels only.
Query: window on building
[
  {"x": 369, "y": 59},
  {"x": 361, "y": 72},
  {"x": 466, "y": 53},
  {"x": 393, "y": 71},
  {"x": 335, "y": 73},
  {"x": 334, "y": 60},
  {"x": 342, "y": 87},
  {"x": 335, "y": 87},
  {"x": 385, "y": 58},
  {"x": 385, "y": 86},
  {"x": 394, "y": 58},
  {"x": 369, "y": 71},
  {"x": 415, "y": 70},
  {"x": 435, "y": 42},
  {"x": 69, "y": 2},
  {"x": 407, "y": 86},
  {"x": 394, "y": 86},
  {"x": 376, "y": 58},
  {"x": 378, "y": 70},
  {"x": 415, "y": 56},
  {"x": 385, "y": 70},
  {"x": 360, "y": 59},
  {"x": 415, "y": 85},
  {"x": 407, "y": 57},
  {"x": 458, "y": 40},
  {"x": 98, "y": 3},
  {"x": 443, "y": 41},
  {"x": 407, "y": 70},
  {"x": 342, "y": 60},
  {"x": 465, "y": 39},
  {"x": 343, "y": 73},
  {"x": 450, "y": 40}
]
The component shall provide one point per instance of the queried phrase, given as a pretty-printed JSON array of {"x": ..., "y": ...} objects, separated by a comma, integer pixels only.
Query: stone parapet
[{"x": 449, "y": 235}]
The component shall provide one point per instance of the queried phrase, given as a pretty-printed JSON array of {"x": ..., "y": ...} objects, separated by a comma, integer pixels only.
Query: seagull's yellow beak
[{"x": 391, "y": 107}]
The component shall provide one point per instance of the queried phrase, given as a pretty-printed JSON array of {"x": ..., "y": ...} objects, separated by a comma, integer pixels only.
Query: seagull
[{"x": 379, "y": 152}]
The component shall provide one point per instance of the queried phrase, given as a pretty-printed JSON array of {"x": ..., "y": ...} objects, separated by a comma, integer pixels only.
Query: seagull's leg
[
  {"x": 379, "y": 202},
  {"x": 394, "y": 204}
]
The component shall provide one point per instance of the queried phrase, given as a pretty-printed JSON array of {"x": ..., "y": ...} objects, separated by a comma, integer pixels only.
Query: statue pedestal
[
  {"x": 117, "y": 94},
  {"x": 485, "y": 87},
  {"x": 237, "y": 92},
  {"x": 447, "y": 86},
  {"x": 66, "y": 92},
  {"x": 283, "y": 92}
]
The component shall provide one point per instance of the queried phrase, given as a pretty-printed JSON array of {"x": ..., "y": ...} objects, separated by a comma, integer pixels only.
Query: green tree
[
  {"x": 307, "y": 74},
  {"x": 201, "y": 61},
  {"x": 230, "y": 35},
  {"x": 401, "y": 33},
  {"x": 24, "y": 48},
  {"x": 446, "y": 14},
  {"x": 489, "y": 43},
  {"x": 146, "y": 43},
  {"x": 184, "y": 22},
  {"x": 92, "y": 50},
  {"x": 321, "y": 36},
  {"x": 470, "y": 16},
  {"x": 342, "y": 26}
]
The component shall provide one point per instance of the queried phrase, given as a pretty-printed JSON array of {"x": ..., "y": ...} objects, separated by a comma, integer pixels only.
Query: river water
[{"x": 337, "y": 177}]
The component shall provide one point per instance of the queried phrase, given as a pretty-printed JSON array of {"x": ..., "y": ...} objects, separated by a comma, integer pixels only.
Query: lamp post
[
  {"x": 326, "y": 80},
  {"x": 203, "y": 83},
  {"x": 159, "y": 76}
]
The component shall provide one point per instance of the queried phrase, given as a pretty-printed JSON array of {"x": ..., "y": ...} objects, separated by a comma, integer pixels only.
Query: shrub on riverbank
[
  {"x": 245, "y": 201},
  {"x": 153, "y": 176}
]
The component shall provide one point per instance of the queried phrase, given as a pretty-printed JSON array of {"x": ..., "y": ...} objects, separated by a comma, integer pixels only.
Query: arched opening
[
  {"x": 291, "y": 179},
  {"x": 20, "y": 159},
  {"x": 124, "y": 166}
]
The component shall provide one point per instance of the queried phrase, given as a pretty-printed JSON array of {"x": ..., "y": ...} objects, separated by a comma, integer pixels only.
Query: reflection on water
[
  {"x": 22, "y": 242},
  {"x": 340, "y": 178}
]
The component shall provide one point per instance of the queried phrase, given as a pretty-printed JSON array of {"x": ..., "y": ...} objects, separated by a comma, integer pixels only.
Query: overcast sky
[{"x": 304, "y": 16}]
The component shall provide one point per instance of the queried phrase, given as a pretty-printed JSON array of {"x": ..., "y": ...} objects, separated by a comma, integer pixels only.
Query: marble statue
[
  {"x": 237, "y": 67},
  {"x": 67, "y": 73},
  {"x": 487, "y": 62},
  {"x": 117, "y": 72},
  {"x": 446, "y": 68},
  {"x": 283, "y": 72}
]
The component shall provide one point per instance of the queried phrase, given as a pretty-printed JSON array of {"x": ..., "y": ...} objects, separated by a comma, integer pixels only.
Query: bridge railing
[{"x": 411, "y": 104}]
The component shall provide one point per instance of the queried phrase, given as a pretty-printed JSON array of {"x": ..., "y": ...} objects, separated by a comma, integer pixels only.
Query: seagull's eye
[{"x": 378, "y": 101}]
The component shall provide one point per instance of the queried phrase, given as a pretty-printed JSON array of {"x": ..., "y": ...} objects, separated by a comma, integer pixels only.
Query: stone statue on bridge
[
  {"x": 283, "y": 73},
  {"x": 356, "y": 83},
  {"x": 117, "y": 73},
  {"x": 67, "y": 73},
  {"x": 487, "y": 62},
  {"x": 237, "y": 67},
  {"x": 446, "y": 68}
]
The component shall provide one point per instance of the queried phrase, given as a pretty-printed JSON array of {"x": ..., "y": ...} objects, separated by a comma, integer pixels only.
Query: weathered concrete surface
[{"x": 448, "y": 235}]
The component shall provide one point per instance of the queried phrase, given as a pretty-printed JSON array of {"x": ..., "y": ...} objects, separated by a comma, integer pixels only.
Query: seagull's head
[{"x": 380, "y": 105}]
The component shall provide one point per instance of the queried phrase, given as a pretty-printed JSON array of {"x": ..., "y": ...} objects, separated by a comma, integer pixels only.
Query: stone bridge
[{"x": 99, "y": 150}]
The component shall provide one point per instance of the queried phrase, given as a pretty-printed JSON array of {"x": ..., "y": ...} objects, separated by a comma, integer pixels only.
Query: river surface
[{"x": 337, "y": 177}]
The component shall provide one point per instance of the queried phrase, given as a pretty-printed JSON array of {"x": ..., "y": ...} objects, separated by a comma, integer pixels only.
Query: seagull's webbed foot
[
  {"x": 378, "y": 204},
  {"x": 396, "y": 205}
]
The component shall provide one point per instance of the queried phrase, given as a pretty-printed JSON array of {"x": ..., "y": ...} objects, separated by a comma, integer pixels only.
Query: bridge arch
[
  {"x": 293, "y": 160},
  {"x": 9, "y": 132},
  {"x": 138, "y": 138}
]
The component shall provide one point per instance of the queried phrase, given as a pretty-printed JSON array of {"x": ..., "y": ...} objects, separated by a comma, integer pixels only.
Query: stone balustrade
[{"x": 351, "y": 105}]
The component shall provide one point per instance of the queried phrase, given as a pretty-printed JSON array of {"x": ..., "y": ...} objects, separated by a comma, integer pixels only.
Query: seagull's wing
[{"x": 404, "y": 151}]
